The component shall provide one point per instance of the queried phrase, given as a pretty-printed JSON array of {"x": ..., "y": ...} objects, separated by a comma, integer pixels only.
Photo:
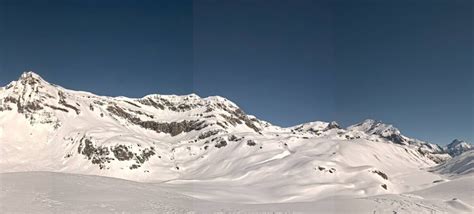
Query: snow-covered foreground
[{"x": 46, "y": 192}]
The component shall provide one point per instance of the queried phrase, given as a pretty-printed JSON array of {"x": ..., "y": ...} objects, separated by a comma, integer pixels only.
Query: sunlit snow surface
[
  {"x": 316, "y": 167},
  {"x": 46, "y": 192}
]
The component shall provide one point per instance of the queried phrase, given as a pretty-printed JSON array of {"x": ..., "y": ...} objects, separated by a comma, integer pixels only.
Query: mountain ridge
[
  {"x": 189, "y": 140},
  {"x": 32, "y": 90}
]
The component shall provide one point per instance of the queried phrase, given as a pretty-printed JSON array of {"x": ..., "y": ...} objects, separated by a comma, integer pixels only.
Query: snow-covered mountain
[
  {"x": 457, "y": 147},
  {"x": 380, "y": 131},
  {"x": 189, "y": 141}
]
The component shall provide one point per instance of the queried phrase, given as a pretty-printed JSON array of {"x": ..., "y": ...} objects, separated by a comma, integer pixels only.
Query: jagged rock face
[
  {"x": 173, "y": 128},
  {"x": 42, "y": 102},
  {"x": 457, "y": 147},
  {"x": 30, "y": 96}
]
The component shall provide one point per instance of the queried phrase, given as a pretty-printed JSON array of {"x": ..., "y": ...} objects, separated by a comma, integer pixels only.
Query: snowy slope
[
  {"x": 207, "y": 148},
  {"x": 459, "y": 165}
]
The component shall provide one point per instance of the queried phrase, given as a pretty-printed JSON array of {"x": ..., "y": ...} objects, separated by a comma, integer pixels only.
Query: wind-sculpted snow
[{"x": 206, "y": 148}]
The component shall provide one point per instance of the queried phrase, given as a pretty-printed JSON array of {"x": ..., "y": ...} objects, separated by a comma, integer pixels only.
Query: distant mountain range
[{"x": 44, "y": 127}]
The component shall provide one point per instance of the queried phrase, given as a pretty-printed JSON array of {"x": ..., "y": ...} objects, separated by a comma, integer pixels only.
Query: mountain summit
[{"x": 457, "y": 147}]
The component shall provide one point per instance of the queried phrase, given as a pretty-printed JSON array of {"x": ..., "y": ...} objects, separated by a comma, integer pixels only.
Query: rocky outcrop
[
  {"x": 103, "y": 155},
  {"x": 173, "y": 128}
]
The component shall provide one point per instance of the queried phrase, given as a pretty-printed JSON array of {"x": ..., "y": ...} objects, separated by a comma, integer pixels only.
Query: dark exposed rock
[
  {"x": 145, "y": 155},
  {"x": 62, "y": 101},
  {"x": 221, "y": 143},
  {"x": 330, "y": 170},
  {"x": 6, "y": 108},
  {"x": 221, "y": 125},
  {"x": 29, "y": 78},
  {"x": 150, "y": 102},
  {"x": 97, "y": 102},
  {"x": 384, "y": 186},
  {"x": 333, "y": 125},
  {"x": 57, "y": 108},
  {"x": 251, "y": 143},
  {"x": 208, "y": 134},
  {"x": 162, "y": 103},
  {"x": 10, "y": 100},
  {"x": 97, "y": 154},
  {"x": 184, "y": 107},
  {"x": 134, "y": 166},
  {"x": 237, "y": 117},
  {"x": 242, "y": 116},
  {"x": 232, "y": 120},
  {"x": 173, "y": 128},
  {"x": 32, "y": 107},
  {"x": 233, "y": 138},
  {"x": 381, "y": 174},
  {"x": 133, "y": 104},
  {"x": 121, "y": 153},
  {"x": 396, "y": 139},
  {"x": 29, "y": 107}
]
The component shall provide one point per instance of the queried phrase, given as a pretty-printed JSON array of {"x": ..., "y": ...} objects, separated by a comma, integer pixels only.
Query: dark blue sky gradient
[
  {"x": 109, "y": 47},
  {"x": 404, "y": 62},
  {"x": 275, "y": 60},
  {"x": 408, "y": 63}
]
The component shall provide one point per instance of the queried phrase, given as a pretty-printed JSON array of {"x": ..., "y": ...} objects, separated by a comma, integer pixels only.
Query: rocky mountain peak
[
  {"x": 31, "y": 79},
  {"x": 30, "y": 75},
  {"x": 457, "y": 147},
  {"x": 333, "y": 125},
  {"x": 29, "y": 83},
  {"x": 373, "y": 127}
]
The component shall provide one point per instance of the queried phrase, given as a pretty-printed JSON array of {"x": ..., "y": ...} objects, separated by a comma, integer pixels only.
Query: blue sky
[{"x": 408, "y": 63}]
